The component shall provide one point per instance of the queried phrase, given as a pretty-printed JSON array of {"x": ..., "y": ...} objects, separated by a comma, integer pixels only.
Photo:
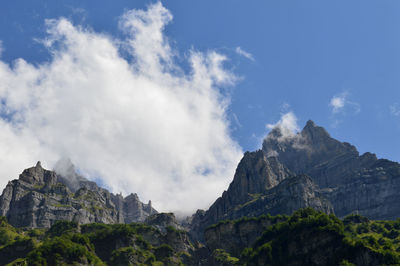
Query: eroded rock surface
[
  {"x": 307, "y": 169},
  {"x": 40, "y": 197}
]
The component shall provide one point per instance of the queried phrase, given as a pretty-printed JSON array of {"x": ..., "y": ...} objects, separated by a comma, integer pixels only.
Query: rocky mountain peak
[
  {"x": 306, "y": 149},
  {"x": 310, "y": 123},
  {"x": 132, "y": 197},
  {"x": 307, "y": 169},
  {"x": 314, "y": 132},
  {"x": 40, "y": 197},
  {"x": 38, "y": 175}
]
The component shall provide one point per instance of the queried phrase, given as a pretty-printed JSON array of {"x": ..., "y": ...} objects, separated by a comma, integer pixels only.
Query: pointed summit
[
  {"x": 38, "y": 165},
  {"x": 38, "y": 175},
  {"x": 315, "y": 134},
  {"x": 310, "y": 123},
  {"x": 308, "y": 148}
]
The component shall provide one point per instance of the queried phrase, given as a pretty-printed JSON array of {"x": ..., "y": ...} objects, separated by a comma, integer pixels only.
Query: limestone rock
[
  {"x": 352, "y": 183},
  {"x": 40, "y": 197},
  {"x": 307, "y": 169},
  {"x": 234, "y": 236},
  {"x": 163, "y": 221}
]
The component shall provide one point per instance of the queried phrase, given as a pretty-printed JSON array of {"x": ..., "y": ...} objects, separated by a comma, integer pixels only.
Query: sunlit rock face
[
  {"x": 307, "y": 169},
  {"x": 40, "y": 197}
]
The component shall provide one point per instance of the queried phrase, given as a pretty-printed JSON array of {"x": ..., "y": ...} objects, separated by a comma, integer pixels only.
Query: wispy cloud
[
  {"x": 285, "y": 107},
  {"x": 341, "y": 103},
  {"x": 341, "y": 106},
  {"x": 285, "y": 131},
  {"x": 242, "y": 52},
  {"x": 236, "y": 119},
  {"x": 395, "y": 109},
  {"x": 287, "y": 124},
  {"x": 1, "y": 48},
  {"x": 142, "y": 125}
]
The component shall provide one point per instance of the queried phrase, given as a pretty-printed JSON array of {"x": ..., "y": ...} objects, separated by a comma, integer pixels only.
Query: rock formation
[
  {"x": 352, "y": 183},
  {"x": 307, "y": 169},
  {"x": 40, "y": 197}
]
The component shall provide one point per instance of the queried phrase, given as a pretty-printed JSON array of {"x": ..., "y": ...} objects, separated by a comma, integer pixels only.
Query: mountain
[
  {"x": 307, "y": 169},
  {"x": 296, "y": 201},
  {"x": 352, "y": 183},
  {"x": 40, "y": 197}
]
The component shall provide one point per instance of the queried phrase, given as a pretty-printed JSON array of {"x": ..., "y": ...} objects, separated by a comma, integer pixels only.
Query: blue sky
[
  {"x": 335, "y": 62},
  {"x": 305, "y": 53}
]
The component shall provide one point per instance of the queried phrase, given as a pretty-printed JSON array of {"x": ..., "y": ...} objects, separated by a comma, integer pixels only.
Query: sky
[{"x": 162, "y": 99}]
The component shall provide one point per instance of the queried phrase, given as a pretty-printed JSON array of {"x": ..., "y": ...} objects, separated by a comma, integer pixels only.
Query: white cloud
[
  {"x": 341, "y": 106},
  {"x": 337, "y": 102},
  {"x": 341, "y": 103},
  {"x": 287, "y": 125},
  {"x": 1, "y": 48},
  {"x": 243, "y": 53},
  {"x": 395, "y": 109},
  {"x": 140, "y": 125},
  {"x": 287, "y": 131}
]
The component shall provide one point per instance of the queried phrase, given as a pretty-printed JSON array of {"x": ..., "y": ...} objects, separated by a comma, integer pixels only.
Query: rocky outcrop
[
  {"x": 255, "y": 174},
  {"x": 291, "y": 194},
  {"x": 234, "y": 236},
  {"x": 312, "y": 151},
  {"x": 261, "y": 185},
  {"x": 136, "y": 211},
  {"x": 163, "y": 222},
  {"x": 40, "y": 197}
]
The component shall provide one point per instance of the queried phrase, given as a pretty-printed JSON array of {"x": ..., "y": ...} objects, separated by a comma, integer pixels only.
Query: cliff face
[
  {"x": 352, "y": 183},
  {"x": 40, "y": 197},
  {"x": 261, "y": 185},
  {"x": 234, "y": 236},
  {"x": 307, "y": 169}
]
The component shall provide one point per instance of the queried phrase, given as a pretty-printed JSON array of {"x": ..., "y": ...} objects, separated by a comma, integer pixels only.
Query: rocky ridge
[{"x": 40, "y": 197}]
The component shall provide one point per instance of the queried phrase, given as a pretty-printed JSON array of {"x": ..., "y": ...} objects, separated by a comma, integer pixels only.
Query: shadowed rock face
[
  {"x": 352, "y": 183},
  {"x": 314, "y": 152},
  {"x": 261, "y": 185},
  {"x": 40, "y": 197},
  {"x": 307, "y": 169}
]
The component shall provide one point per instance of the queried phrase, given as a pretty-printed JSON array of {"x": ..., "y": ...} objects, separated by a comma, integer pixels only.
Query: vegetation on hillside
[
  {"x": 307, "y": 237},
  {"x": 67, "y": 243}
]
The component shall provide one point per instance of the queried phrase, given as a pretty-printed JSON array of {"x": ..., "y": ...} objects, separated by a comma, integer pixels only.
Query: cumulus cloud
[
  {"x": 138, "y": 122},
  {"x": 243, "y": 53}
]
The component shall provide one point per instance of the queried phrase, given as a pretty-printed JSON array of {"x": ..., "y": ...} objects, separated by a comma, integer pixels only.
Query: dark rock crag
[
  {"x": 307, "y": 169},
  {"x": 40, "y": 197}
]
